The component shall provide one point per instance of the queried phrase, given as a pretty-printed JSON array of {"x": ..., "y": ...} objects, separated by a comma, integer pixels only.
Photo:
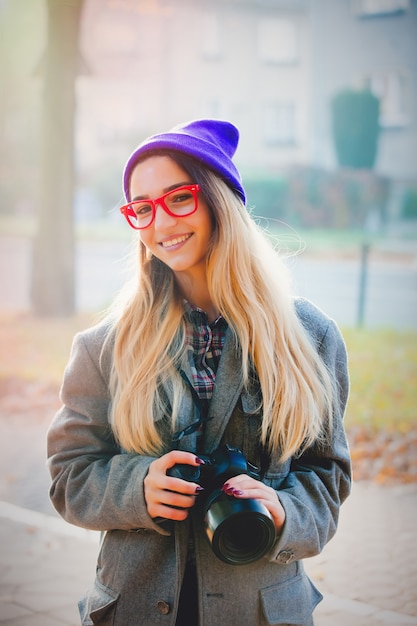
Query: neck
[{"x": 197, "y": 293}]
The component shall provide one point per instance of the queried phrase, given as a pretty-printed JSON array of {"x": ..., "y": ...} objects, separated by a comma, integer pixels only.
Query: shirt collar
[{"x": 197, "y": 316}]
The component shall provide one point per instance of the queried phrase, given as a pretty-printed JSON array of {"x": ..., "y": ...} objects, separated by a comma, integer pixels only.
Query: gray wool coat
[{"x": 140, "y": 565}]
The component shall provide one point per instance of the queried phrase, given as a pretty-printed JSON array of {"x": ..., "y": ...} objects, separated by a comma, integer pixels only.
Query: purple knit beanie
[{"x": 213, "y": 142}]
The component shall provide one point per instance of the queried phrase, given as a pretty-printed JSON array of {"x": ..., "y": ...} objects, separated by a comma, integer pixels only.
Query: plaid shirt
[{"x": 204, "y": 343}]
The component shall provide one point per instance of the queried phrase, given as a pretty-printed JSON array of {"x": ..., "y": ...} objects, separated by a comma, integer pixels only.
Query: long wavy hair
[{"x": 249, "y": 285}]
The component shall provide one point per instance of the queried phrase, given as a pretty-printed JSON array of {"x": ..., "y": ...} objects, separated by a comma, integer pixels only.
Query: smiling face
[{"x": 179, "y": 242}]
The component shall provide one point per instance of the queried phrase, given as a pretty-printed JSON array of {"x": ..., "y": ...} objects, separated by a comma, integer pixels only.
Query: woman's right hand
[{"x": 164, "y": 493}]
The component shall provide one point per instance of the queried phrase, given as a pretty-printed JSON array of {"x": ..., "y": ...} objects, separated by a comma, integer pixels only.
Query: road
[{"x": 331, "y": 283}]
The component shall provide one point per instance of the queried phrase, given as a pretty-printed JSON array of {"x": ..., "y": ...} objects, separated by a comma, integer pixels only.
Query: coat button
[
  {"x": 163, "y": 607},
  {"x": 285, "y": 556}
]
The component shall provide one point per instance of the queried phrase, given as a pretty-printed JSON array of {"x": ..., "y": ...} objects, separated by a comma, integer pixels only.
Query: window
[
  {"x": 367, "y": 8},
  {"x": 391, "y": 87},
  {"x": 145, "y": 7},
  {"x": 210, "y": 36},
  {"x": 279, "y": 123},
  {"x": 277, "y": 41}
]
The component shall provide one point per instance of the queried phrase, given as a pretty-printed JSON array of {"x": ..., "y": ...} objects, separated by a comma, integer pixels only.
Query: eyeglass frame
[{"x": 128, "y": 212}]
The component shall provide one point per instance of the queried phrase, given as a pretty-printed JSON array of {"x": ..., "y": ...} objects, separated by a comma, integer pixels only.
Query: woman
[{"x": 209, "y": 349}]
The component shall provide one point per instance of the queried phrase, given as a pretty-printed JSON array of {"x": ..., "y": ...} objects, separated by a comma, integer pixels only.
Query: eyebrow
[{"x": 165, "y": 190}]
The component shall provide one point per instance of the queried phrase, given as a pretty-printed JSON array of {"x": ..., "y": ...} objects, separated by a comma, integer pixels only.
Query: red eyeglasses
[{"x": 180, "y": 202}]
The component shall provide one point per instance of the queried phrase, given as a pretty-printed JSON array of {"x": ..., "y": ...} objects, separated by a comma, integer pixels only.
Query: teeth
[{"x": 174, "y": 242}]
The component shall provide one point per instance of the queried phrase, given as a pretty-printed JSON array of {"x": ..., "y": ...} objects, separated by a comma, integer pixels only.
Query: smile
[{"x": 174, "y": 242}]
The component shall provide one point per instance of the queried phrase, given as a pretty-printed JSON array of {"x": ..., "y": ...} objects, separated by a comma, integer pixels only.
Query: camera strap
[
  {"x": 264, "y": 460},
  {"x": 200, "y": 410},
  {"x": 258, "y": 452}
]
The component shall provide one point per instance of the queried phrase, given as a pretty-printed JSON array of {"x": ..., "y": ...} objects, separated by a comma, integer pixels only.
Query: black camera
[{"x": 240, "y": 530}]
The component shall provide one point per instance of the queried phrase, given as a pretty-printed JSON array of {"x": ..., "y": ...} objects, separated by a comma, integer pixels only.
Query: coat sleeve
[
  {"x": 320, "y": 479},
  {"x": 94, "y": 484}
]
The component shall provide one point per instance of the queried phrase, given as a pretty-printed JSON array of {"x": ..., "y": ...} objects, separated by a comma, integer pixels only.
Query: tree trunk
[{"x": 53, "y": 272}]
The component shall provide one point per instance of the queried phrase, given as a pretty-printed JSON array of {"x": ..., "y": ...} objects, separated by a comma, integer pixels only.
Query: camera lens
[
  {"x": 240, "y": 531},
  {"x": 244, "y": 539}
]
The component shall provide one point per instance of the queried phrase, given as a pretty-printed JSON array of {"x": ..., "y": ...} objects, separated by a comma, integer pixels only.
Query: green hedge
[
  {"x": 267, "y": 195},
  {"x": 312, "y": 197}
]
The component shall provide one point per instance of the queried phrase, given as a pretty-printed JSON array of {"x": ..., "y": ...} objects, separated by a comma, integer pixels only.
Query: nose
[{"x": 162, "y": 218}]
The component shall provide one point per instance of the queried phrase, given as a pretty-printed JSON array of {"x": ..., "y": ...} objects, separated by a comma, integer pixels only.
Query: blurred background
[{"x": 324, "y": 93}]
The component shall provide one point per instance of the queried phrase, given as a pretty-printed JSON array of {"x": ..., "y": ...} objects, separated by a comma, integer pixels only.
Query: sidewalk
[{"x": 367, "y": 573}]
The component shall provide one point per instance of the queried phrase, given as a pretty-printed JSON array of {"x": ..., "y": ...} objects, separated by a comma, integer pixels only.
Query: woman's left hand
[{"x": 244, "y": 486}]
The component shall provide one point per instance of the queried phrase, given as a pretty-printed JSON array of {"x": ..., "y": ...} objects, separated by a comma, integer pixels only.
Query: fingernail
[
  {"x": 231, "y": 491},
  {"x": 198, "y": 489},
  {"x": 199, "y": 461}
]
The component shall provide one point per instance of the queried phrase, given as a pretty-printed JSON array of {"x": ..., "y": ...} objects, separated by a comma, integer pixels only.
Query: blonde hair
[{"x": 249, "y": 285}]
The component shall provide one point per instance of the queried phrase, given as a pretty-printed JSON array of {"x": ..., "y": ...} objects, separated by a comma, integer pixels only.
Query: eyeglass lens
[{"x": 180, "y": 202}]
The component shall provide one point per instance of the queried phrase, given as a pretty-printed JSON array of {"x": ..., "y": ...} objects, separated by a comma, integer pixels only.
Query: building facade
[
  {"x": 373, "y": 44},
  {"x": 271, "y": 66},
  {"x": 155, "y": 63}
]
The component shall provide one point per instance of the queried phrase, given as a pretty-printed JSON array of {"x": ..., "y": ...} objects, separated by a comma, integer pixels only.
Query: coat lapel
[{"x": 227, "y": 390}]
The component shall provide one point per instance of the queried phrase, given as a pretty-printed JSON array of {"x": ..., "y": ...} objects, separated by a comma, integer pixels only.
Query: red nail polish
[
  {"x": 198, "y": 489},
  {"x": 199, "y": 461}
]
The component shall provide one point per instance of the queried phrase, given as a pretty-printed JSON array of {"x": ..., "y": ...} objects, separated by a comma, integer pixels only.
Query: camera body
[{"x": 240, "y": 530}]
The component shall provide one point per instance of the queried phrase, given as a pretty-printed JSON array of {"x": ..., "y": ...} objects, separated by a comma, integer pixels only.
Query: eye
[
  {"x": 141, "y": 209},
  {"x": 181, "y": 196}
]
